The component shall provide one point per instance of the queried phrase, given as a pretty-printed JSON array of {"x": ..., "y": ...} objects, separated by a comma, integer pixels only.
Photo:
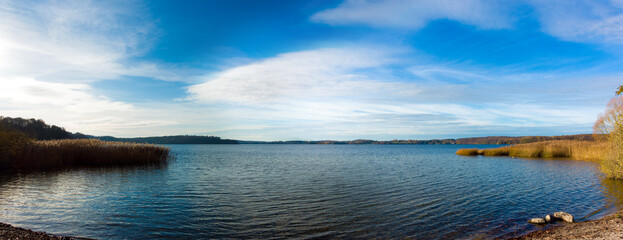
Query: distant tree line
[
  {"x": 179, "y": 139},
  {"x": 475, "y": 140},
  {"x": 37, "y": 129}
]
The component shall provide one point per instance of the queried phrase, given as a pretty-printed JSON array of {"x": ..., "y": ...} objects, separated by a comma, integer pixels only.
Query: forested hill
[
  {"x": 180, "y": 139},
  {"x": 36, "y": 129}
]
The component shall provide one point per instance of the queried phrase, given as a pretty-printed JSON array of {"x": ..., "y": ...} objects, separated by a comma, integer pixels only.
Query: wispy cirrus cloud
[
  {"x": 340, "y": 92},
  {"x": 52, "y": 51},
  {"x": 69, "y": 40},
  {"x": 306, "y": 75},
  {"x": 577, "y": 21},
  {"x": 582, "y": 21},
  {"x": 415, "y": 14}
]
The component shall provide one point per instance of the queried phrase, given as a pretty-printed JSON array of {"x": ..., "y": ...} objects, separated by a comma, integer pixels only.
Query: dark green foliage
[
  {"x": 36, "y": 129},
  {"x": 80, "y": 136}
]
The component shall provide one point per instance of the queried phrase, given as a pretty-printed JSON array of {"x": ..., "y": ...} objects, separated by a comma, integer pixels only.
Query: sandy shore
[
  {"x": 610, "y": 227},
  {"x": 10, "y": 232}
]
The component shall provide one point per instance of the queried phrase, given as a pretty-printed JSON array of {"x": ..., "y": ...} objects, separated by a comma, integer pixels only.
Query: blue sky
[{"x": 311, "y": 70}]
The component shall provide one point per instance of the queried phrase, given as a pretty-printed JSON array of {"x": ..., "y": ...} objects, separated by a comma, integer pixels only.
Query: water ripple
[{"x": 308, "y": 192}]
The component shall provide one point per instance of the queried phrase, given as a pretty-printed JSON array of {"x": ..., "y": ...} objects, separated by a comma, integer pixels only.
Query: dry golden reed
[
  {"x": 468, "y": 152},
  {"x": 572, "y": 149},
  {"x": 86, "y": 152}
]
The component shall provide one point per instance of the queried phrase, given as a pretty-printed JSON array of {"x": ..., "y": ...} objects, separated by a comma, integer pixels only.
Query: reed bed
[
  {"x": 468, "y": 152},
  {"x": 572, "y": 149},
  {"x": 86, "y": 152}
]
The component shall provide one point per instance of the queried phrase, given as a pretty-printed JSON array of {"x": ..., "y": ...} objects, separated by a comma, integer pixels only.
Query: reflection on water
[
  {"x": 308, "y": 191},
  {"x": 614, "y": 189}
]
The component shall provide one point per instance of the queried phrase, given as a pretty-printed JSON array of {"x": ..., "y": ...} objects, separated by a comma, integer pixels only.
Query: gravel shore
[
  {"x": 610, "y": 227},
  {"x": 10, "y": 232}
]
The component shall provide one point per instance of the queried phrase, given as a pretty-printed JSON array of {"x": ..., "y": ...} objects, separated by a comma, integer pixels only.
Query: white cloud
[
  {"x": 578, "y": 21},
  {"x": 414, "y": 14},
  {"x": 51, "y": 52},
  {"x": 305, "y": 75},
  {"x": 72, "y": 97},
  {"x": 70, "y": 105},
  {"x": 582, "y": 21},
  {"x": 69, "y": 40},
  {"x": 338, "y": 93}
]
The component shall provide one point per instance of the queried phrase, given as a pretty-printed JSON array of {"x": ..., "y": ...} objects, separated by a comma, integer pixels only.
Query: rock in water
[
  {"x": 548, "y": 218},
  {"x": 537, "y": 221},
  {"x": 564, "y": 216}
]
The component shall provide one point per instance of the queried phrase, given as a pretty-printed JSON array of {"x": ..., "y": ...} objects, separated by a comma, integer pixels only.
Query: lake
[{"x": 308, "y": 191}]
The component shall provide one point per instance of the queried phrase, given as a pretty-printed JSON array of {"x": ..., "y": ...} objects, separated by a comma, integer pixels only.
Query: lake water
[{"x": 308, "y": 191}]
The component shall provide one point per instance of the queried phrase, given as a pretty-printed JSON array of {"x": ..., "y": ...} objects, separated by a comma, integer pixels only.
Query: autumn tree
[{"x": 609, "y": 126}]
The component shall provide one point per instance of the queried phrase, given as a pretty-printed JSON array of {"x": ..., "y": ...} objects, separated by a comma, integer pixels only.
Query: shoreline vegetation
[
  {"x": 606, "y": 147},
  {"x": 568, "y": 149},
  {"x": 87, "y": 153},
  {"x": 53, "y": 154},
  {"x": 27, "y": 145}
]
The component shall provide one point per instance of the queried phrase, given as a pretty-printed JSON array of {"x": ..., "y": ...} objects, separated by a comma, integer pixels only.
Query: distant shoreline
[
  {"x": 492, "y": 140},
  {"x": 39, "y": 130}
]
